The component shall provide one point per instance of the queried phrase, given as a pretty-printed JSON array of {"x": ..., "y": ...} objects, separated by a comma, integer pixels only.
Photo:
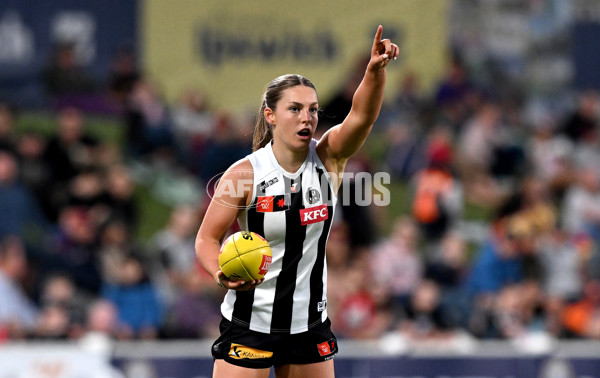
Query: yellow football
[{"x": 245, "y": 256}]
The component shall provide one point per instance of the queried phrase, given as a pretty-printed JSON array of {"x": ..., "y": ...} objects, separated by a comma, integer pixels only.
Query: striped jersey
[{"x": 294, "y": 213}]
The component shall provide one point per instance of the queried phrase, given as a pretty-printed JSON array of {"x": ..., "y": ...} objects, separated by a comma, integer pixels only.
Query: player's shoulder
[
  {"x": 242, "y": 168},
  {"x": 237, "y": 181}
]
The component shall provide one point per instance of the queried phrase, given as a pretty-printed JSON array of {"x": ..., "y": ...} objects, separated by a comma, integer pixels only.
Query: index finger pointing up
[{"x": 378, "y": 34}]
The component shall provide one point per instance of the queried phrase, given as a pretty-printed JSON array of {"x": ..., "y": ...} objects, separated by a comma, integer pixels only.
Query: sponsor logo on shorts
[
  {"x": 242, "y": 352},
  {"x": 327, "y": 348},
  {"x": 314, "y": 214}
]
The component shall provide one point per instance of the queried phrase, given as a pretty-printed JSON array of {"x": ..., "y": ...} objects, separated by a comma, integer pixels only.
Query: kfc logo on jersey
[{"x": 314, "y": 214}]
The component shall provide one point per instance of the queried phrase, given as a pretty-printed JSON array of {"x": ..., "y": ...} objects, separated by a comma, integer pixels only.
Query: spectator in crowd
[
  {"x": 136, "y": 299},
  {"x": 476, "y": 146},
  {"x": 423, "y": 316},
  {"x": 339, "y": 252},
  {"x": 403, "y": 155},
  {"x": 72, "y": 147},
  {"x": 174, "y": 251},
  {"x": 455, "y": 95},
  {"x": 85, "y": 190},
  {"x": 532, "y": 203},
  {"x": 438, "y": 195},
  {"x": 115, "y": 244},
  {"x": 364, "y": 311},
  {"x": 583, "y": 119},
  {"x": 338, "y": 106},
  {"x": 74, "y": 250},
  {"x": 119, "y": 195},
  {"x": 34, "y": 170},
  {"x": 68, "y": 152},
  {"x": 194, "y": 313},
  {"x": 123, "y": 74},
  {"x": 407, "y": 104},
  {"x": 18, "y": 312},
  {"x": 7, "y": 126},
  {"x": 499, "y": 261},
  {"x": 514, "y": 312},
  {"x": 581, "y": 204},
  {"x": 63, "y": 73},
  {"x": 581, "y": 318},
  {"x": 498, "y": 264},
  {"x": 149, "y": 128},
  {"x": 224, "y": 147},
  {"x": 102, "y": 318},
  {"x": 396, "y": 263},
  {"x": 193, "y": 124},
  {"x": 357, "y": 213},
  {"x": 448, "y": 267},
  {"x": 563, "y": 258},
  {"x": 53, "y": 323},
  {"x": 550, "y": 156},
  {"x": 60, "y": 295},
  {"x": 21, "y": 213}
]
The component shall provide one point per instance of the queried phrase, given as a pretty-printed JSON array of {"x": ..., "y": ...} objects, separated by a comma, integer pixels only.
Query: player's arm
[
  {"x": 231, "y": 196},
  {"x": 339, "y": 143}
]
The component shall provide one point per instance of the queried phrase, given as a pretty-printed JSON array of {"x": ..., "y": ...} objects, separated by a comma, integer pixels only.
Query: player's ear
[{"x": 270, "y": 116}]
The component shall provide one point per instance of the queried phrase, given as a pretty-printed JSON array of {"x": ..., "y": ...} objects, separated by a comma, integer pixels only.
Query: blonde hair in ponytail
[{"x": 263, "y": 131}]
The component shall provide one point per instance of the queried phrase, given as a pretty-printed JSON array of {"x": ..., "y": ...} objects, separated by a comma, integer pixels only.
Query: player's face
[{"x": 295, "y": 116}]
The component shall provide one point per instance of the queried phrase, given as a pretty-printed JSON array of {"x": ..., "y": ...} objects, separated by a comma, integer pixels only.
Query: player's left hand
[{"x": 383, "y": 51}]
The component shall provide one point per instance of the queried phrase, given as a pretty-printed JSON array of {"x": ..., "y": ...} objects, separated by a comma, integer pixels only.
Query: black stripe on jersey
[
  {"x": 242, "y": 308},
  {"x": 295, "y": 234},
  {"x": 316, "y": 276}
]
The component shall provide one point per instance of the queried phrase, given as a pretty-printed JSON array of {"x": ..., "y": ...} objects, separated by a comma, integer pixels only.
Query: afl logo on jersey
[{"x": 312, "y": 196}]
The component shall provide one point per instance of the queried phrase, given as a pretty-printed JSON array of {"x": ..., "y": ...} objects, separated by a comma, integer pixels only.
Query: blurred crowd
[{"x": 71, "y": 265}]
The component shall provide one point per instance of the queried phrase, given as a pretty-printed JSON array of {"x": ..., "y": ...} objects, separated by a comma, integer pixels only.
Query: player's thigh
[
  {"x": 224, "y": 369},
  {"x": 317, "y": 370}
]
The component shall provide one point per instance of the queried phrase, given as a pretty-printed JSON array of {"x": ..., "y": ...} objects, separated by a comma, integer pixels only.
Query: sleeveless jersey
[{"x": 293, "y": 212}]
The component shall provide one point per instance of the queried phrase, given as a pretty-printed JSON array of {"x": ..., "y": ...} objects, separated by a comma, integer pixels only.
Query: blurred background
[{"x": 116, "y": 115}]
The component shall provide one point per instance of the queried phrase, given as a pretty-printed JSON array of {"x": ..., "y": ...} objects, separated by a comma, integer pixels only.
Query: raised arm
[{"x": 342, "y": 141}]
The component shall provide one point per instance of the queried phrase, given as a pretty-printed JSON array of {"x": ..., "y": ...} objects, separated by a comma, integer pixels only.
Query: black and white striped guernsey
[{"x": 294, "y": 212}]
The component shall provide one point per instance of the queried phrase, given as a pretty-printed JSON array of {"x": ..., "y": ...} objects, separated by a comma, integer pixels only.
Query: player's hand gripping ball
[{"x": 245, "y": 256}]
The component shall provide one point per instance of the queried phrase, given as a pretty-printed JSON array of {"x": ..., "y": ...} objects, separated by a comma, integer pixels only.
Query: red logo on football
[
  {"x": 324, "y": 348},
  {"x": 314, "y": 214},
  {"x": 264, "y": 266}
]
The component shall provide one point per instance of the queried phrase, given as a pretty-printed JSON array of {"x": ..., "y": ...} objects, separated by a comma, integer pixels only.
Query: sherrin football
[{"x": 245, "y": 256}]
